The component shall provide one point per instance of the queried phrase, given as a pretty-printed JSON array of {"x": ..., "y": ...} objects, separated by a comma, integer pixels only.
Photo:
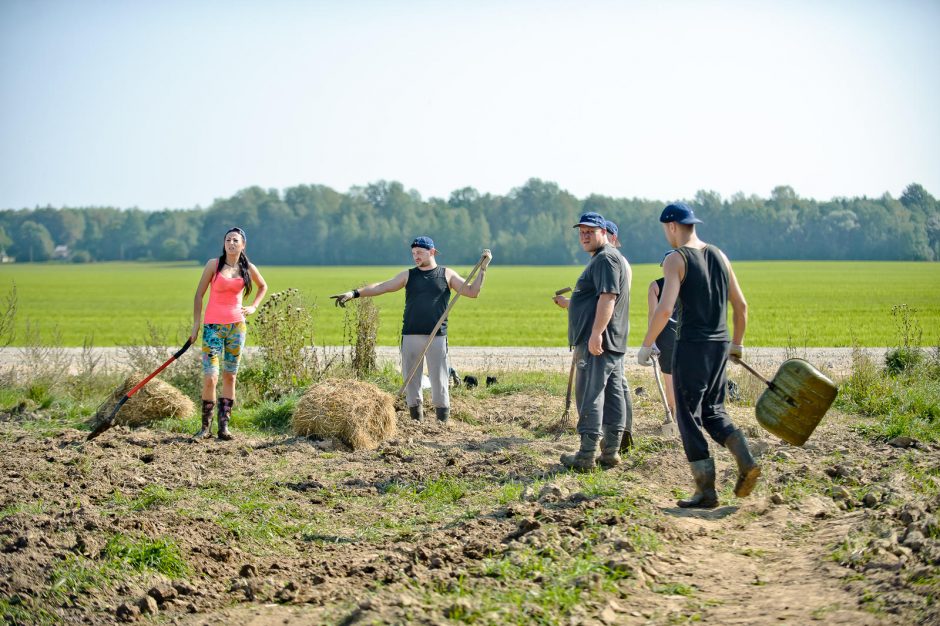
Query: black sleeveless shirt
[
  {"x": 671, "y": 324},
  {"x": 426, "y": 297},
  {"x": 703, "y": 296}
]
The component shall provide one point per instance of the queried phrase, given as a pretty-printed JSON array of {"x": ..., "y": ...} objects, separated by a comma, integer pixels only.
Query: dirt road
[{"x": 483, "y": 359}]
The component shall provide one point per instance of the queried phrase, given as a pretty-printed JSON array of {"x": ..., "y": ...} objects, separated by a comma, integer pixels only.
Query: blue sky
[{"x": 173, "y": 104}]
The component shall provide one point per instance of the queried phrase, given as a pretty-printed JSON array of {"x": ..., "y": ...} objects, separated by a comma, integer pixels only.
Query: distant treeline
[{"x": 315, "y": 225}]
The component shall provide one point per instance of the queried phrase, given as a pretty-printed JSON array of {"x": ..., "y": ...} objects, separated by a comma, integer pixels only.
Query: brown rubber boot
[
  {"x": 705, "y": 496},
  {"x": 583, "y": 459},
  {"x": 626, "y": 442},
  {"x": 225, "y": 414},
  {"x": 748, "y": 469},
  {"x": 610, "y": 449},
  {"x": 207, "y": 406}
]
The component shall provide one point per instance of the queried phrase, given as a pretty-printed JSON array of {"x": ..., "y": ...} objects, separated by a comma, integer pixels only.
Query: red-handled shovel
[{"x": 104, "y": 419}]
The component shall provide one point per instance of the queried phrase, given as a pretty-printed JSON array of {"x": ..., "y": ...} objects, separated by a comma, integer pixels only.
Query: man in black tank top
[
  {"x": 701, "y": 280},
  {"x": 427, "y": 294}
]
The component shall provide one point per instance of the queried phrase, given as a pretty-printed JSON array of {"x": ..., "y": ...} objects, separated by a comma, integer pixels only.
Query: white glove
[
  {"x": 736, "y": 351},
  {"x": 643, "y": 356},
  {"x": 342, "y": 298}
]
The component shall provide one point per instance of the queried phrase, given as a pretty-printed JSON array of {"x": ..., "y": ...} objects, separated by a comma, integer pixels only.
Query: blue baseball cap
[
  {"x": 590, "y": 218},
  {"x": 423, "y": 242},
  {"x": 612, "y": 228},
  {"x": 679, "y": 212}
]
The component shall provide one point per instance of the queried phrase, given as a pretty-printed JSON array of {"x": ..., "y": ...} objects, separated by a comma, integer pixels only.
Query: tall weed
[{"x": 284, "y": 330}]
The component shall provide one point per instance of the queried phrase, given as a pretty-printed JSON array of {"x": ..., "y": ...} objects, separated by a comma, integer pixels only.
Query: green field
[{"x": 797, "y": 303}]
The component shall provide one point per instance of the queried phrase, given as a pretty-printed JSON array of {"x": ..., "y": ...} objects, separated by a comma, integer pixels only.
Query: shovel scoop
[{"x": 795, "y": 401}]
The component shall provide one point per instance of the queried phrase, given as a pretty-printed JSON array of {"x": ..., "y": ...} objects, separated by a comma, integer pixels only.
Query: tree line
[{"x": 373, "y": 224}]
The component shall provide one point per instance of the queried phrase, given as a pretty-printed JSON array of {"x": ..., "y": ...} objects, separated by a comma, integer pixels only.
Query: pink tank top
[{"x": 225, "y": 301}]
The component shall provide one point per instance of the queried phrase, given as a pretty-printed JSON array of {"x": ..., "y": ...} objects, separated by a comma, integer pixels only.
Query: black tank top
[
  {"x": 426, "y": 298},
  {"x": 703, "y": 296},
  {"x": 661, "y": 282}
]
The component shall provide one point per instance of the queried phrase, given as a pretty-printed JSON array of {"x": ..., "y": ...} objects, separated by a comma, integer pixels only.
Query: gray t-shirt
[{"x": 606, "y": 272}]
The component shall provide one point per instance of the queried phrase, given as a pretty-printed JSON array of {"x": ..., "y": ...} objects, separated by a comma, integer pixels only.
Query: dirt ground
[{"x": 473, "y": 521}]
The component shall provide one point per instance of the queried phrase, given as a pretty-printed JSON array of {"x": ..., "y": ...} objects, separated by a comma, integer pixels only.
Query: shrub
[{"x": 284, "y": 329}]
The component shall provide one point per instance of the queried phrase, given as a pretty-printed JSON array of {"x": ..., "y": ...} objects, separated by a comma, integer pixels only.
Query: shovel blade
[{"x": 796, "y": 401}]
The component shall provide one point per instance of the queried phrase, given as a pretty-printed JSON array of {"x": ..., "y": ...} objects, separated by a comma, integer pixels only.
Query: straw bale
[
  {"x": 154, "y": 401},
  {"x": 359, "y": 414}
]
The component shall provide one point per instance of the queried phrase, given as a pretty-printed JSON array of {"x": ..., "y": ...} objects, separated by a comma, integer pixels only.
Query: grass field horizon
[{"x": 796, "y": 303}]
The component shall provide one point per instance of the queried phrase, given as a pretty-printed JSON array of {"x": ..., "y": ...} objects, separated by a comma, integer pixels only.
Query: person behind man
[
  {"x": 427, "y": 293},
  {"x": 666, "y": 341},
  {"x": 700, "y": 277},
  {"x": 598, "y": 322},
  {"x": 612, "y": 233}
]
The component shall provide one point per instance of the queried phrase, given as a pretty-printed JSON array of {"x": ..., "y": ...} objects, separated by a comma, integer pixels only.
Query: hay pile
[
  {"x": 155, "y": 401},
  {"x": 360, "y": 414}
]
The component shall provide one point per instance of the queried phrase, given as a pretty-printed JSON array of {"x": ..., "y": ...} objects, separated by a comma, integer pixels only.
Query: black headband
[{"x": 236, "y": 229}]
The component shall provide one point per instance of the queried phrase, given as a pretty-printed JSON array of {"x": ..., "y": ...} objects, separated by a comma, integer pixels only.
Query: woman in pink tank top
[{"x": 227, "y": 278}]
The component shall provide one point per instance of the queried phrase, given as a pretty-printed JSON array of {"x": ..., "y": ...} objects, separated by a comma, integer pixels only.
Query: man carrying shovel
[
  {"x": 598, "y": 322},
  {"x": 427, "y": 294},
  {"x": 700, "y": 277}
]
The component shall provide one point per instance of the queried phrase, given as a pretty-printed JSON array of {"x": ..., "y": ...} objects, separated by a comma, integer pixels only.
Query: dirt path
[
  {"x": 470, "y": 522},
  {"x": 487, "y": 359}
]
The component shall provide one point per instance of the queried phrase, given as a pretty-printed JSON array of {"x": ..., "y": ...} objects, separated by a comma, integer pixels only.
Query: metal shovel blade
[{"x": 795, "y": 401}]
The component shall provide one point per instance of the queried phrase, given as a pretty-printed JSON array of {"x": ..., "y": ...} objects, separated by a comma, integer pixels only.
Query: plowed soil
[{"x": 473, "y": 521}]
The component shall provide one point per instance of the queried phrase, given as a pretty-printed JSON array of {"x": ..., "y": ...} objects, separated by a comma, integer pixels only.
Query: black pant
[{"x": 698, "y": 375}]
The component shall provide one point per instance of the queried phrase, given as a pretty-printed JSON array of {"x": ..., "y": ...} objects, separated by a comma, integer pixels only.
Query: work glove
[
  {"x": 488, "y": 256},
  {"x": 341, "y": 299},
  {"x": 736, "y": 351},
  {"x": 643, "y": 356}
]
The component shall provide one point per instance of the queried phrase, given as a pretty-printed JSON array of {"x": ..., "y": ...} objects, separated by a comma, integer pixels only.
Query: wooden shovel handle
[{"x": 735, "y": 359}]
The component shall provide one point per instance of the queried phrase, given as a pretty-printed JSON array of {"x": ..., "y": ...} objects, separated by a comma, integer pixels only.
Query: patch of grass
[
  {"x": 599, "y": 484},
  {"x": 153, "y": 496},
  {"x": 76, "y": 575},
  {"x": 143, "y": 554},
  {"x": 122, "y": 555},
  {"x": 906, "y": 403},
  {"x": 674, "y": 589},
  {"x": 509, "y": 492},
  {"x": 30, "y": 508},
  {"x": 15, "y": 613},
  {"x": 851, "y": 550},
  {"x": 923, "y": 479},
  {"x": 541, "y": 586},
  {"x": 260, "y": 513},
  {"x": 270, "y": 416}
]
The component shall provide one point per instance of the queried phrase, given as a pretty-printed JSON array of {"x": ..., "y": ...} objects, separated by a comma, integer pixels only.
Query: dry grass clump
[
  {"x": 155, "y": 401},
  {"x": 359, "y": 414}
]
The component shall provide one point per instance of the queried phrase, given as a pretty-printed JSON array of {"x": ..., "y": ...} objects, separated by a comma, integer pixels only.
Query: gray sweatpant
[
  {"x": 600, "y": 393},
  {"x": 438, "y": 369}
]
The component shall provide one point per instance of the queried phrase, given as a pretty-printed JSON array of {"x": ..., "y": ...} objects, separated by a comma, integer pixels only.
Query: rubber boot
[
  {"x": 443, "y": 413},
  {"x": 610, "y": 449},
  {"x": 705, "y": 495},
  {"x": 748, "y": 469},
  {"x": 626, "y": 442},
  {"x": 417, "y": 412},
  {"x": 583, "y": 459},
  {"x": 225, "y": 414},
  {"x": 207, "y": 406}
]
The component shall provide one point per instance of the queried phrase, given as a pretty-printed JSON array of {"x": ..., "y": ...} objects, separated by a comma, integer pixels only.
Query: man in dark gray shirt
[{"x": 598, "y": 323}]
